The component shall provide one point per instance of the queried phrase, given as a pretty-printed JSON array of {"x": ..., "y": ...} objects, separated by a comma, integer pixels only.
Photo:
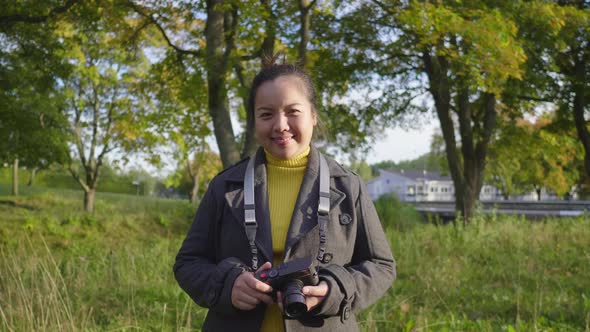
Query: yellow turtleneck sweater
[{"x": 284, "y": 179}]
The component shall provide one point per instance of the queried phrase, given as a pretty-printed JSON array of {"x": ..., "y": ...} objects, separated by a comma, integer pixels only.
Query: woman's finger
[
  {"x": 258, "y": 285},
  {"x": 320, "y": 290},
  {"x": 313, "y": 301},
  {"x": 262, "y": 297},
  {"x": 264, "y": 266},
  {"x": 247, "y": 298}
]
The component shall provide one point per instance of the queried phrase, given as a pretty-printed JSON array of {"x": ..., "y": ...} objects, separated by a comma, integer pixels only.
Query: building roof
[{"x": 420, "y": 175}]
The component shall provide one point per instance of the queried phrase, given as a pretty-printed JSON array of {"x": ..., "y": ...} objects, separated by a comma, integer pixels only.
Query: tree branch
[
  {"x": 77, "y": 177},
  {"x": 531, "y": 98},
  {"x": 230, "y": 26},
  {"x": 77, "y": 129},
  {"x": 140, "y": 11},
  {"x": 95, "y": 120},
  {"x": 10, "y": 19}
]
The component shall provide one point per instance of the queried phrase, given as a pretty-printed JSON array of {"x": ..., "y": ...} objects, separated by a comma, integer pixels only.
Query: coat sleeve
[
  {"x": 371, "y": 271},
  {"x": 207, "y": 282}
]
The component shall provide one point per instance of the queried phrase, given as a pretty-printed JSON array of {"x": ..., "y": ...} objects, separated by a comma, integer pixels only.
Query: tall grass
[
  {"x": 92, "y": 288},
  {"x": 500, "y": 273},
  {"x": 64, "y": 270}
]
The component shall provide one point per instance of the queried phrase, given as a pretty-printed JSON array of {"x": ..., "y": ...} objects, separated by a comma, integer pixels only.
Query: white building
[{"x": 411, "y": 186}]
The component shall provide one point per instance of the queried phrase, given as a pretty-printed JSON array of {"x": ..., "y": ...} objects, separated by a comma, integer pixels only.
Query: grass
[{"x": 61, "y": 269}]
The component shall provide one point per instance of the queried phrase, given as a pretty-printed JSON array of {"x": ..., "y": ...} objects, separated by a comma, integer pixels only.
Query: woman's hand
[
  {"x": 314, "y": 295},
  {"x": 248, "y": 291}
]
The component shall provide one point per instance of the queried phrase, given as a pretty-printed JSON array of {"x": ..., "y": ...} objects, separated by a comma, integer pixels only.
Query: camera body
[{"x": 289, "y": 278}]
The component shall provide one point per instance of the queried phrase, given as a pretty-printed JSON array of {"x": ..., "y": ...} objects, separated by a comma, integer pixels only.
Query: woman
[{"x": 214, "y": 264}]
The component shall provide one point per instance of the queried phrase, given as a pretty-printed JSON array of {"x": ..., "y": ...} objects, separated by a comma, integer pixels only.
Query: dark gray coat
[{"x": 216, "y": 249}]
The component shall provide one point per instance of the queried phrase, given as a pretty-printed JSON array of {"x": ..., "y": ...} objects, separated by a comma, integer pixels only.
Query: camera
[{"x": 289, "y": 278}]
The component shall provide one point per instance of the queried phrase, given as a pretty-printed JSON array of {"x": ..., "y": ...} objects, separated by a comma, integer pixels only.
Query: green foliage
[
  {"x": 499, "y": 273},
  {"x": 397, "y": 215},
  {"x": 32, "y": 124},
  {"x": 362, "y": 168},
  {"x": 526, "y": 156},
  {"x": 482, "y": 45},
  {"x": 205, "y": 164},
  {"x": 112, "y": 180},
  {"x": 428, "y": 161}
]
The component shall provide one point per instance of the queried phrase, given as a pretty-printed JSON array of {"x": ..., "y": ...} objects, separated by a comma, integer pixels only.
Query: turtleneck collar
[{"x": 297, "y": 161}]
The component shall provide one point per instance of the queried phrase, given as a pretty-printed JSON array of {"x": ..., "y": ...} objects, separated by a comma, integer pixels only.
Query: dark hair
[{"x": 272, "y": 70}]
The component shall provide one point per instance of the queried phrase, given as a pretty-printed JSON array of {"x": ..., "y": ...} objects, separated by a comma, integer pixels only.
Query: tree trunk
[
  {"x": 89, "y": 200},
  {"x": 32, "y": 177},
  {"x": 217, "y": 59},
  {"x": 249, "y": 140},
  {"x": 194, "y": 194},
  {"x": 15, "y": 178},
  {"x": 436, "y": 68},
  {"x": 579, "y": 105},
  {"x": 266, "y": 50},
  {"x": 475, "y": 133},
  {"x": 304, "y": 10}
]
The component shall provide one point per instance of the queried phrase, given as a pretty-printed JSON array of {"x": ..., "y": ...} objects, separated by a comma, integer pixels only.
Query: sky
[{"x": 398, "y": 144}]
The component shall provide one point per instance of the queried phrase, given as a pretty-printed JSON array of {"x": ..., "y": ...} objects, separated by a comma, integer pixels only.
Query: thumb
[{"x": 264, "y": 266}]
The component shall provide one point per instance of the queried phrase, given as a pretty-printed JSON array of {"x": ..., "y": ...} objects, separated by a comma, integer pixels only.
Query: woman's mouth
[{"x": 282, "y": 140}]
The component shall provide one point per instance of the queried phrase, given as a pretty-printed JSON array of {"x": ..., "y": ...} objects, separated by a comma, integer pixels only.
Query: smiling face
[{"x": 284, "y": 117}]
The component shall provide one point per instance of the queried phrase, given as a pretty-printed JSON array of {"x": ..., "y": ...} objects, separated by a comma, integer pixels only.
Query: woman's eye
[
  {"x": 293, "y": 111},
  {"x": 265, "y": 115}
]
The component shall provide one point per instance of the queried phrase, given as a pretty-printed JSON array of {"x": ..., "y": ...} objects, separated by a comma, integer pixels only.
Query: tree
[
  {"x": 105, "y": 108},
  {"x": 229, "y": 38},
  {"x": 510, "y": 159},
  {"x": 463, "y": 53},
  {"x": 361, "y": 168},
  {"x": 572, "y": 55},
  {"x": 217, "y": 56},
  {"x": 194, "y": 175},
  {"x": 529, "y": 156},
  {"x": 32, "y": 126}
]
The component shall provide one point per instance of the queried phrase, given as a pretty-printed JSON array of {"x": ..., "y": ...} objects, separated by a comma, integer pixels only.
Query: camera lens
[{"x": 293, "y": 299}]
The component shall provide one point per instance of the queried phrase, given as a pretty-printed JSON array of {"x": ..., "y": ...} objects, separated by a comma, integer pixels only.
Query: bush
[{"x": 395, "y": 214}]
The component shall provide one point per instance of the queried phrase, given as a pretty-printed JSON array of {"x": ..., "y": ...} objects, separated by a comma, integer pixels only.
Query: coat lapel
[
  {"x": 235, "y": 201},
  {"x": 304, "y": 218}
]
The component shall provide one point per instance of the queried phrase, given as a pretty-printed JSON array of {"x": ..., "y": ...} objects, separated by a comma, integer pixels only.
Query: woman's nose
[{"x": 281, "y": 123}]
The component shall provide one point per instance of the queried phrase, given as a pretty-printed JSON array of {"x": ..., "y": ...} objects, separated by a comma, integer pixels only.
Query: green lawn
[{"x": 61, "y": 269}]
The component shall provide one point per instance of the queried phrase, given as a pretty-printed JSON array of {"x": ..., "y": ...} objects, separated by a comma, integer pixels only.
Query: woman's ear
[{"x": 314, "y": 116}]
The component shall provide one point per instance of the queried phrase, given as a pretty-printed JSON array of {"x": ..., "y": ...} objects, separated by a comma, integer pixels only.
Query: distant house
[
  {"x": 416, "y": 186},
  {"x": 412, "y": 186}
]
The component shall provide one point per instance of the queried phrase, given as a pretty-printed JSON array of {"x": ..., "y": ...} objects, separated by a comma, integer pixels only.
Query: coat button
[
  {"x": 345, "y": 219},
  {"x": 346, "y": 313},
  {"x": 327, "y": 258}
]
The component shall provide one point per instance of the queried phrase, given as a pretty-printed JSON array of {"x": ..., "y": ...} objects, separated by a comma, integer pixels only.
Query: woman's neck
[{"x": 297, "y": 161}]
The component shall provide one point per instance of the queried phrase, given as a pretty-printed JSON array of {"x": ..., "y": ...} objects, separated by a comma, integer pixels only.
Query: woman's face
[{"x": 284, "y": 117}]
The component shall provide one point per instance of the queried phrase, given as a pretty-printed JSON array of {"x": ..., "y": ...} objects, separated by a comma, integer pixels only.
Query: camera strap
[
  {"x": 250, "y": 211},
  {"x": 250, "y": 208}
]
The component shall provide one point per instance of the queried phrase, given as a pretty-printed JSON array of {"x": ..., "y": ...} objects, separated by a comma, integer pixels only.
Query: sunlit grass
[{"x": 62, "y": 269}]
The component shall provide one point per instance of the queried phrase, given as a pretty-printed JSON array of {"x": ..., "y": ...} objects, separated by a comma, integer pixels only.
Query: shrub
[{"x": 395, "y": 214}]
